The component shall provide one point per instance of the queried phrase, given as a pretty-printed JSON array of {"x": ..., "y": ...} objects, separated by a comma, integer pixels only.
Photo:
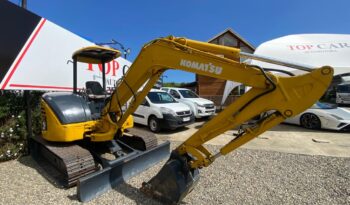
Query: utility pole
[
  {"x": 162, "y": 79},
  {"x": 24, "y": 4},
  {"x": 27, "y": 100}
]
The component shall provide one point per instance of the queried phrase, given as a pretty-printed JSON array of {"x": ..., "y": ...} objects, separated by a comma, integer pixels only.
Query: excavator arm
[{"x": 283, "y": 96}]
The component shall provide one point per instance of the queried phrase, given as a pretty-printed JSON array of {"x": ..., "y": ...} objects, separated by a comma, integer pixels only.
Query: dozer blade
[
  {"x": 173, "y": 182},
  {"x": 120, "y": 170}
]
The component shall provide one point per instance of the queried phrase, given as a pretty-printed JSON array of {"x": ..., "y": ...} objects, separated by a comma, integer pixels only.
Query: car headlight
[
  {"x": 165, "y": 110},
  {"x": 336, "y": 117},
  {"x": 198, "y": 105}
]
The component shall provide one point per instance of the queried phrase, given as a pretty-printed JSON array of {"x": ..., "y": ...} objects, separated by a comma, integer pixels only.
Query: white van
[
  {"x": 160, "y": 110},
  {"x": 199, "y": 106}
]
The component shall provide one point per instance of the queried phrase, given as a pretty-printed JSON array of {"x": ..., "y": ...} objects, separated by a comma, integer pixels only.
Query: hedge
[{"x": 13, "y": 132}]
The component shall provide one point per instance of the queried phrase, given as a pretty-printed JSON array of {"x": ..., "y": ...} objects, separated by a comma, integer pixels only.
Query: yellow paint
[{"x": 63, "y": 133}]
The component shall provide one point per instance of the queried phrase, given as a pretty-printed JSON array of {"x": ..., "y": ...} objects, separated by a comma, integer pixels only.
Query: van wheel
[{"x": 153, "y": 124}]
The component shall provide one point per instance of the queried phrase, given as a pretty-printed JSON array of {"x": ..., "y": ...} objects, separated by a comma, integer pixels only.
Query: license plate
[{"x": 185, "y": 119}]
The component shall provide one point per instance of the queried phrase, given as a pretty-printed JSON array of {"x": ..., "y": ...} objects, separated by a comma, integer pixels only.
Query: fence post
[{"x": 27, "y": 100}]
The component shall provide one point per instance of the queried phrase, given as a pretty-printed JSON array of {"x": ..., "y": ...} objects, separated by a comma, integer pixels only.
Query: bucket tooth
[{"x": 173, "y": 182}]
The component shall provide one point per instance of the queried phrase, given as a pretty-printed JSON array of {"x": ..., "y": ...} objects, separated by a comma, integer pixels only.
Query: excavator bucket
[{"x": 173, "y": 182}]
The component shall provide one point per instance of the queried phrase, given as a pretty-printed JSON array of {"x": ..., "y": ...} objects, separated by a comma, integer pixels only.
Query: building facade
[{"x": 212, "y": 88}]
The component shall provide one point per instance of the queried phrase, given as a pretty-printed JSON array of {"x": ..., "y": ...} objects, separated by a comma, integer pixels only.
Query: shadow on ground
[
  {"x": 44, "y": 168},
  {"x": 47, "y": 171},
  {"x": 163, "y": 131},
  {"x": 134, "y": 194},
  {"x": 286, "y": 127},
  {"x": 296, "y": 128}
]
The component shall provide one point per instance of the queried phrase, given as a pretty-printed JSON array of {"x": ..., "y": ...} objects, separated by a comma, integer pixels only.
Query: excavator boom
[{"x": 283, "y": 97}]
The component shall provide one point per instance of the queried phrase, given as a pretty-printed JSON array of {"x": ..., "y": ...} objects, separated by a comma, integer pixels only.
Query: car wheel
[
  {"x": 153, "y": 124},
  {"x": 310, "y": 121}
]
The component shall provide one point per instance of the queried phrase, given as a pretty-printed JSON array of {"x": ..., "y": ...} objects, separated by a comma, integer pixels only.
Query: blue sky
[{"x": 134, "y": 23}]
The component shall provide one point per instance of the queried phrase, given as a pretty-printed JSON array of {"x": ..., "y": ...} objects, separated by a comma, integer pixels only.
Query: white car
[
  {"x": 160, "y": 110},
  {"x": 199, "y": 106},
  {"x": 325, "y": 116}
]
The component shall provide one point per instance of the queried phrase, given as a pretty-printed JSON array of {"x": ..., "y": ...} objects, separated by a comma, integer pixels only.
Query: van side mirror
[
  {"x": 174, "y": 94},
  {"x": 145, "y": 103}
]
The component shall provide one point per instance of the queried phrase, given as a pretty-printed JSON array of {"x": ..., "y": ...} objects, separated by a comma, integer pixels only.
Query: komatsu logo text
[{"x": 206, "y": 67}]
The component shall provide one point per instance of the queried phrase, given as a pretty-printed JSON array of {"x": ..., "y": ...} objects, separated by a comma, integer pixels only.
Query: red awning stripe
[{"x": 41, "y": 86}]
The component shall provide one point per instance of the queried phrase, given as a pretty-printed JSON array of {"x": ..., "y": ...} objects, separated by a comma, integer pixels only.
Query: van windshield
[
  {"x": 343, "y": 88},
  {"x": 160, "y": 98},
  {"x": 188, "y": 94}
]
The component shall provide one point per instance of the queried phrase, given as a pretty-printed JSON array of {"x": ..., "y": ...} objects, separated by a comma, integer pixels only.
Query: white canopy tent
[
  {"x": 310, "y": 49},
  {"x": 229, "y": 86}
]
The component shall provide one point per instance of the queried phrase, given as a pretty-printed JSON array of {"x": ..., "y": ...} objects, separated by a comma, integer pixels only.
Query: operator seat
[
  {"x": 97, "y": 98},
  {"x": 94, "y": 90}
]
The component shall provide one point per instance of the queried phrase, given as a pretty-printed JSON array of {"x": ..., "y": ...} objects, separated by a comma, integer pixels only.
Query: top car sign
[{"x": 35, "y": 54}]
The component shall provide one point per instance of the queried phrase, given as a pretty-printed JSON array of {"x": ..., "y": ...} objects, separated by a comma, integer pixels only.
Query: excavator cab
[
  {"x": 94, "y": 93},
  {"x": 94, "y": 55}
]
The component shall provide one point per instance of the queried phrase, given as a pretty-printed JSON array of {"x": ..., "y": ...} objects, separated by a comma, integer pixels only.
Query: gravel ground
[{"x": 243, "y": 177}]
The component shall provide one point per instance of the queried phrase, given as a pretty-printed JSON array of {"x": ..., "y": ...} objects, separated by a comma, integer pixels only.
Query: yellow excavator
[
  {"x": 281, "y": 97},
  {"x": 72, "y": 143}
]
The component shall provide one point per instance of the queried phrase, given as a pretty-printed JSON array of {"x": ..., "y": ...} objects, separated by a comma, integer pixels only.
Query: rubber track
[
  {"x": 148, "y": 137},
  {"x": 71, "y": 160}
]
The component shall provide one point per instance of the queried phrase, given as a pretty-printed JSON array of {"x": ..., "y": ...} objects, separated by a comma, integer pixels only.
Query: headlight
[
  {"x": 336, "y": 117},
  {"x": 165, "y": 110},
  {"x": 198, "y": 105}
]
